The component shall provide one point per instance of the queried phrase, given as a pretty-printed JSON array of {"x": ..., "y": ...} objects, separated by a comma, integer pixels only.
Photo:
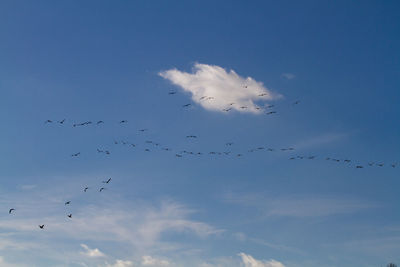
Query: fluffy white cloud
[
  {"x": 150, "y": 261},
  {"x": 249, "y": 261},
  {"x": 215, "y": 89},
  {"x": 121, "y": 263},
  {"x": 93, "y": 253}
]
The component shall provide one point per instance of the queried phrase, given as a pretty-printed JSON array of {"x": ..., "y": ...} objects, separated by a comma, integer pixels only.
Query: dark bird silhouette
[
  {"x": 123, "y": 121},
  {"x": 271, "y": 112},
  {"x": 86, "y": 188},
  {"x": 48, "y": 121},
  {"x": 76, "y": 154},
  {"x": 100, "y": 122},
  {"x": 106, "y": 182},
  {"x": 11, "y": 210},
  {"x": 191, "y": 136},
  {"x": 69, "y": 215},
  {"x": 143, "y": 130},
  {"x": 359, "y": 167},
  {"x": 101, "y": 189},
  {"x": 227, "y": 109},
  {"x": 100, "y": 151},
  {"x": 62, "y": 121},
  {"x": 296, "y": 102},
  {"x": 179, "y": 156},
  {"x": 41, "y": 226},
  {"x": 68, "y": 202},
  {"x": 172, "y": 93},
  {"x": 147, "y": 150},
  {"x": 186, "y": 105},
  {"x": 263, "y": 94}
]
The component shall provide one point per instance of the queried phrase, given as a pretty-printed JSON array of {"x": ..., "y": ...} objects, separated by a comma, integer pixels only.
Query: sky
[{"x": 243, "y": 134}]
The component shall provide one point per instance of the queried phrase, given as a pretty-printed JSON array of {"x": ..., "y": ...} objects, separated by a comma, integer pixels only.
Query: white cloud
[
  {"x": 249, "y": 261},
  {"x": 288, "y": 76},
  {"x": 150, "y": 261},
  {"x": 93, "y": 253},
  {"x": 120, "y": 263},
  {"x": 213, "y": 88}
]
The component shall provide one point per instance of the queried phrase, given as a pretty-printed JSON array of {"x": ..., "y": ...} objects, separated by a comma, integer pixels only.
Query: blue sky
[{"x": 119, "y": 60}]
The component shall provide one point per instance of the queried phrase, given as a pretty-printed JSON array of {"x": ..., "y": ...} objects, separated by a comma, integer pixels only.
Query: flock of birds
[
  {"x": 229, "y": 106},
  {"x": 67, "y": 203},
  {"x": 150, "y": 145}
]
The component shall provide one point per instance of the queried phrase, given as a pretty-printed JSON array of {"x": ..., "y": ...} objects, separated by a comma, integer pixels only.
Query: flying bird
[
  {"x": 76, "y": 154},
  {"x": 68, "y": 202},
  {"x": 359, "y": 167},
  {"x": 172, "y": 93},
  {"x": 123, "y": 121},
  {"x": 296, "y": 102},
  {"x": 48, "y": 121},
  {"x": 62, "y": 121},
  {"x": 69, "y": 215},
  {"x": 106, "y": 182},
  {"x": 100, "y": 122},
  {"x": 187, "y": 105},
  {"x": 41, "y": 226},
  {"x": 101, "y": 189},
  {"x": 11, "y": 210}
]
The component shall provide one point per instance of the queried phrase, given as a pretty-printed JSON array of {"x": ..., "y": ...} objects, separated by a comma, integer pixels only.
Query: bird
[
  {"x": 123, "y": 121},
  {"x": 101, "y": 189},
  {"x": 179, "y": 156},
  {"x": 69, "y": 215},
  {"x": 107, "y": 181},
  {"x": 172, "y": 93},
  {"x": 186, "y": 105},
  {"x": 359, "y": 167},
  {"x": 143, "y": 130},
  {"x": 62, "y": 121},
  {"x": 100, "y": 122},
  {"x": 11, "y": 210},
  {"x": 41, "y": 226},
  {"x": 271, "y": 112},
  {"x": 67, "y": 203},
  {"x": 227, "y": 109},
  {"x": 76, "y": 154},
  {"x": 229, "y": 143},
  {"x": 147, "y": 150},
  {"x": 191, "y": 136},
  {"x": 263, "y": 94},
  {"x": 86, "y": 188},
  {"x": 48, "y": 121},
  {"x": 296, "y": 102},
  {"x": 100, "y": 151}
]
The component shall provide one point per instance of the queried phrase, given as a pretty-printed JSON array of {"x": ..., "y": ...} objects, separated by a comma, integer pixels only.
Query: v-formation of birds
[{"x": 182, "y": 153}]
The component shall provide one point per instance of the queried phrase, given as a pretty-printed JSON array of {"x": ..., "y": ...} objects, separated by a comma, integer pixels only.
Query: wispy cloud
[
  {"x": 120, "y": 263},
  {"x": 301, "y": 205},
  {"x": 288, "y": 76},
  {"x": 150, "y": 261},
  {"x": 320, "y": 140},
  {"x": 249, "y": 261},
  {"x": 216, "y": 89},
  {"x": 93, "y": 253}
]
